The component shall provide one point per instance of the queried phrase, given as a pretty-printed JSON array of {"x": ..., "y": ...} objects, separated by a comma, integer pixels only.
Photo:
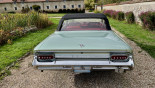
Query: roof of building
[{"x": 11, "y": 1}]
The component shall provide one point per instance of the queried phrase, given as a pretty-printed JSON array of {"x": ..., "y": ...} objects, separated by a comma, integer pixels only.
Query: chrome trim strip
[
  {"x": 53, "y": 68},
  {"x": 72, "y": 51},
  {"x": 82, "y": 59},
  {"x": 93, "y": 68},
  {"x": 130, "y": 63},
  {"x": 108, "y": 68},
  {"x": 77, "y": 56}
]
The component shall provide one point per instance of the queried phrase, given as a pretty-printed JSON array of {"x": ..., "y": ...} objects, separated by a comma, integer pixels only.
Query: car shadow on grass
[{"x": 100, "y": 79}]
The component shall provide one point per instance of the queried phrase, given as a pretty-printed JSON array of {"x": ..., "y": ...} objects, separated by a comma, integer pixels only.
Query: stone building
[{"x": 46, "y": 5}]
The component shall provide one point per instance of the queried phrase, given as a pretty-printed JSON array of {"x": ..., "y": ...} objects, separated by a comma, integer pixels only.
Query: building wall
[
  {"x": 11, "y": 6},
  {"x": 136, "y": 8}
]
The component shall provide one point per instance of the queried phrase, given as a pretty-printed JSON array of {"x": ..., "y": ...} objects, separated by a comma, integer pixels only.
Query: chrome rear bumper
[
  {"x": 81, "y": 70},
  {"x": 85, "y": 66}
]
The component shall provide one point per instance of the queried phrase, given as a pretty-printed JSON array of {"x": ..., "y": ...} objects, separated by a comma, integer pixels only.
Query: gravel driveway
[{"x": 143, "y": 75}]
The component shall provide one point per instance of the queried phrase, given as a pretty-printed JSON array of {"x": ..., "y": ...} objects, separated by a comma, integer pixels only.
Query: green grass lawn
[
  {"x": 144, "y": 38},
  {"x": 10, "y": 53},
  {"x": 56, "y": 14}
]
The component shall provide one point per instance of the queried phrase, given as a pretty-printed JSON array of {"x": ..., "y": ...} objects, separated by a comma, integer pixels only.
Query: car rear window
[{"x": 83, "y": 24}]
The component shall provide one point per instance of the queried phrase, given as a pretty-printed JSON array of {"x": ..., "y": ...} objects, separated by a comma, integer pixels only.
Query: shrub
[
  {"x": 108, "y": 12},
  {"x": 114, "y": 14},
  {"x": 76, "y": 10},
  {"x": 64, "y": 10},
  {"x": 68, "y": 10},
  {"x": 90, "y": 11},
  {"x": 72, "y": 11},
  {"x": 60, "y": 11},
  {"x": 99, "y": 2},
  {"x": 12, "y": 12},
  {"x": 13, "y": 26},
  {"x": 148, "y": 20},
  {"x": 36, "y": 7},
  {"x": 120, "y": 16},
  {"x": 81, "y": 11},
  {"x": 130, "y": 17},
  {"x": 96, "y": 11},
  {"x": 39, "y": 20},
  {"x": 25, "y": 10}
]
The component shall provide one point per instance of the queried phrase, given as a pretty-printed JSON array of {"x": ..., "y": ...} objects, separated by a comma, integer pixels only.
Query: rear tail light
[
  {"x": 119, "y": 57},
  {"x": 45, "y": 57}
]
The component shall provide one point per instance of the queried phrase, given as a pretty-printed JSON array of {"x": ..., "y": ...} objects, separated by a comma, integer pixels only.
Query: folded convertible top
[{"x": 83, "y": 15}]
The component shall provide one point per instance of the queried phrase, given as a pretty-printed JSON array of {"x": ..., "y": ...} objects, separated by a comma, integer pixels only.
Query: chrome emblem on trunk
[{"x": 81, "y": 45}]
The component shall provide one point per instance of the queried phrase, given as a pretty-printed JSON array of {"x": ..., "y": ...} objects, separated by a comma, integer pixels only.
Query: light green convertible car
[{"x": 83, "y": 43}]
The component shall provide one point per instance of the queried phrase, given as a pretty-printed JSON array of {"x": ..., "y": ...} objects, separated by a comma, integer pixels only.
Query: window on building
[
  {"x": 56, "y": 7},
  {"x": 22, "y": 2},
  {"x": 48, "y": 7},
  {"x": 30, "y": 8},
  {"x": 15, "y": 8},
  {"x": 22, "y": 7},
  {"x": 64, "y": 6},
  {"x": 72, "y": 6},
  {"x": 79, "y": 6},
  {"x": 5, "y": 9}
]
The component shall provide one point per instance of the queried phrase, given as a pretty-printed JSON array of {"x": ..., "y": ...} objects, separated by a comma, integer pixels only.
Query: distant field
[{"x": 144, "y": 38}]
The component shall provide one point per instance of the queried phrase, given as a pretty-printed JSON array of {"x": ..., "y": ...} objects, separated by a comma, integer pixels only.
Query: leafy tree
[{"x": 90, "y": 4}]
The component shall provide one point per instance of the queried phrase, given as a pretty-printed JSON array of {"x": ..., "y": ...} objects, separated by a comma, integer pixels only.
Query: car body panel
[{"x": 83, "y": 40}]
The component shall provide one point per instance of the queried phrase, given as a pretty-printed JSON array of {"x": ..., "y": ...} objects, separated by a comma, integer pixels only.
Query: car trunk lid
[{"x": 83, "y": 40}]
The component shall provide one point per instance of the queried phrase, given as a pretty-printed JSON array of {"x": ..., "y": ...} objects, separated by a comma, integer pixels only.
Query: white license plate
[
  {"x": 82, "y": 67},
  {"x": 82, "y": 71}
]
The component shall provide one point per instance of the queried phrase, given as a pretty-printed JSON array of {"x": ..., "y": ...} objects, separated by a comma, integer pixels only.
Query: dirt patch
[{"x": 143, "y": 75}]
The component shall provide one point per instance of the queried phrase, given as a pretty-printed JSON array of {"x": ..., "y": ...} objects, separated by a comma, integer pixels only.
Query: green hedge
[
  {"x": 130, "y": 18},
  {"x": 148, "y": 20},
  {"x": 120, "y": 16},
  {"x": 114, "y": 14}
]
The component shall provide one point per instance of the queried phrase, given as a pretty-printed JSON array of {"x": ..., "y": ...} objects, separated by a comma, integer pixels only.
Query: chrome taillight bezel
[{"x": 46, "y": 54}]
